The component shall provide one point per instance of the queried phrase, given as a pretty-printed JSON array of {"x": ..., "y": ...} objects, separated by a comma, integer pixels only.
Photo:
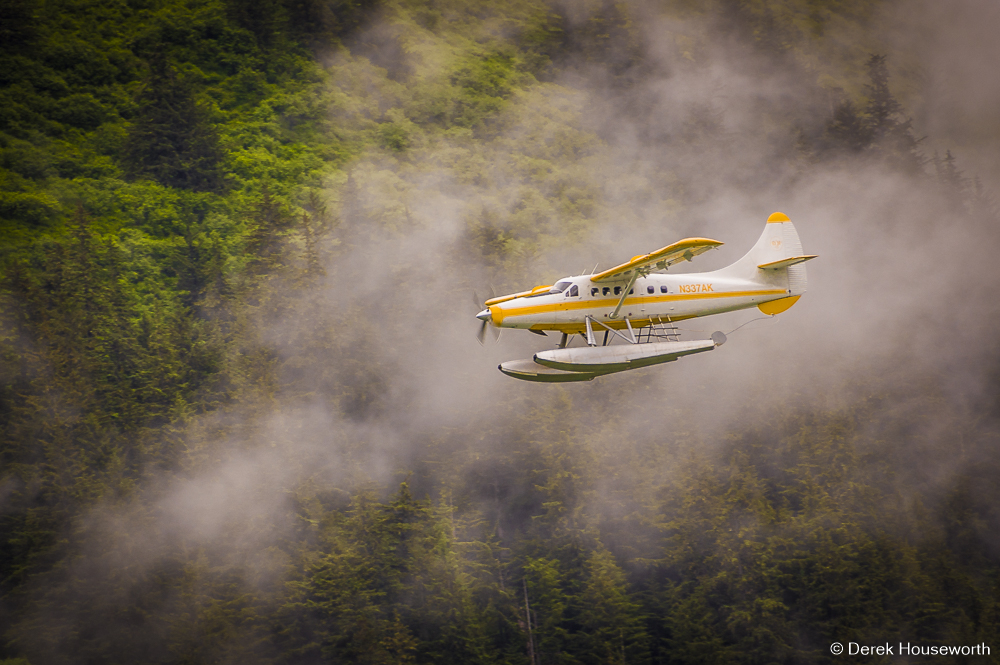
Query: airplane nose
[{"x": 485, "y": 315}]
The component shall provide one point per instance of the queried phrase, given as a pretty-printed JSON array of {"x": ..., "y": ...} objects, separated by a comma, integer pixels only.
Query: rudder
[{"x": 766, "y": 260}]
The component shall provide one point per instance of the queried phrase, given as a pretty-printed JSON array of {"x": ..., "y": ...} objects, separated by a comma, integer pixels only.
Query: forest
[{"x": 244, "y": 417}]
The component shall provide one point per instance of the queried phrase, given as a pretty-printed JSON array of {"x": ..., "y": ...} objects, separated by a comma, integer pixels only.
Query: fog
[
  {"x": 891, "y": 298},
  {"x": 380, "y": 376},
  {"x": 958, "y": 107}
]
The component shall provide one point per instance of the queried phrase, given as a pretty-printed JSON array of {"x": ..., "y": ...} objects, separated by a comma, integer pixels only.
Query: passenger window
[
  {"x": 650, "y": 289},
  {"x": 663, "y": 289},
  {"x": 618, "y": 290},
  {"x": 573, "y": 292},
  {"x": 631, "y": 291},
  {"x": 594, "y": 291},
  {"x": 605, "y": 291}
]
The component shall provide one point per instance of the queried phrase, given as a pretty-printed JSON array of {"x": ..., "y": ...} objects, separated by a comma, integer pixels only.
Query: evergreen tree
[
  {"x": 891, "y": 134},
  {"x": 318, "y": 22},
  {"x": 952, "y": 181},
  {"x": 982, "y": 205},
  {"x": 847, "y": 130},
  {"x": 315, "y": 223},
  {"x": 271, "y": 221},
  {"x": 610, "y": 620},
  {"x": 549, "y": 604},
  {"x": 19, "y": 27},
  {"x": 878, "y": 128},
  {"x": 172, "y": 139},
  {"x": 263, "y": 18}
]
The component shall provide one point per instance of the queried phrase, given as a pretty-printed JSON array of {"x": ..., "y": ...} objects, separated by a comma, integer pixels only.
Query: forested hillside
[{"x": 243, "y": 414}]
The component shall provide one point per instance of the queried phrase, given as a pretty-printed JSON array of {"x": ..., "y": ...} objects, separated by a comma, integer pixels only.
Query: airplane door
[{"x": 564, "y": 310}]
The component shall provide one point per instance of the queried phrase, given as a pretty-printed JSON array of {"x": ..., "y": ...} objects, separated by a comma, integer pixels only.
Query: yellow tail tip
[
  {"x": 778, "y": 217},
  {"x": 778, "y": 306}
]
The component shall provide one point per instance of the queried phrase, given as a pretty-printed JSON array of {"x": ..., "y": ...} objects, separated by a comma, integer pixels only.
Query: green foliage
[
  {"x": 385, "y": 586},
  {"x": 787, "y": 558},
  {"x": 485, "y": 83},
  {"x": 548, "y": 609},
  {"x": 171, "y": 139},
  {"x": 610, "y": 618},
  {"x": 176, "y": 177},
  {"x": 318, "y": 21}
]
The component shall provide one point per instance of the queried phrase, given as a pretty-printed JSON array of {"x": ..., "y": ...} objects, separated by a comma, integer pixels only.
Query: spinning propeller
[{"x": 486, "y": 317}]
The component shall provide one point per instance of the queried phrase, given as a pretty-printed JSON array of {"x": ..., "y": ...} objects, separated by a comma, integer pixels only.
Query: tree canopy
[{"x": 214, "y": 448}]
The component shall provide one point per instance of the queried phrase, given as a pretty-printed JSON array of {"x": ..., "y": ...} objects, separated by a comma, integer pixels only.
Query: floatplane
[{"x": 638, "y": 304}]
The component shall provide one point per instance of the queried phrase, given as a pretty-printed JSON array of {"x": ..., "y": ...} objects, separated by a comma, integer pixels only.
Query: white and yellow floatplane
[{"x": 638, "y": 305}]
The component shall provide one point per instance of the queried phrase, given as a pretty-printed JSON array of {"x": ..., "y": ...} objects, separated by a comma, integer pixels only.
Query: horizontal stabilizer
[{"x": 784, "y": 263}]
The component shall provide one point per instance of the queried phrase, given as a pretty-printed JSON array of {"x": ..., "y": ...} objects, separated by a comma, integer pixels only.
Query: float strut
[{"x": 631, "y": 332}]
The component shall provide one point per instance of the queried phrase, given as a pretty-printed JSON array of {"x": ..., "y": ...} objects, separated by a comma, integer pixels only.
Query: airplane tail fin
[{"x": 776, "y": 259}]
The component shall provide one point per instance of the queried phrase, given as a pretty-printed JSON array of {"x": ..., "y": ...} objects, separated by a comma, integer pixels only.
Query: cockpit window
[
  {"x": 573, "y": 291},
  {"x": 559, "y": 287}
]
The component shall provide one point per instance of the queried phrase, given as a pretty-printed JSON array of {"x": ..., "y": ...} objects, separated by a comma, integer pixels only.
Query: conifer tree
[
  {"x": 315, "y": 223},
  {"x": 891, "y": 134},
  {"x": 549, "y": 603},
  {"x": 982, "y": 204},
  {"x": 172, "y": 139},
  {"x": 848, "y": 130},
  {"x": 878, "y": 128},
  {"x": 317, "y": 22},
  {"x": 19, "y": 27},
  {"x": 612, "y": 631},
  {"x": 951, "y": 179},
  {"x": 261, "y": 17},
  {"x": 271, "y": 221}
]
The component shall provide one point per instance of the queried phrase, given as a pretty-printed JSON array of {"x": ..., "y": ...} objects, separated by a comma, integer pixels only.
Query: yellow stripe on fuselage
[
  {"x": 573, "y": 328},
  {"x": 528, "y": 310}
]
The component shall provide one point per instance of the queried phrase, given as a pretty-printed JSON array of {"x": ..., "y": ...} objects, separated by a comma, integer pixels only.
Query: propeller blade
[
  {"x": 475, "y": 299},
  {"x": 482, "y": 333},
  {"x": 496, "y": 334}
]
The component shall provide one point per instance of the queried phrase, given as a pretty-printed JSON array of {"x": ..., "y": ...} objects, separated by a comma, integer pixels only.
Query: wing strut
[{"x": 621, "y": 301}]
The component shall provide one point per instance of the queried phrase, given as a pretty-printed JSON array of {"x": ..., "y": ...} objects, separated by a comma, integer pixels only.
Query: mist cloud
[{"x": 703, "y": 145}]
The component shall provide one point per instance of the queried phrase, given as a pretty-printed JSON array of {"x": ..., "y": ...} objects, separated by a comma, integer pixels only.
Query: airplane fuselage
[{"x": 653, "y": 298}]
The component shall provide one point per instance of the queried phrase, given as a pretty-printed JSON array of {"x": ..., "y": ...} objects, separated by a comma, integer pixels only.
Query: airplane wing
[{"x": 682, "y": 250}]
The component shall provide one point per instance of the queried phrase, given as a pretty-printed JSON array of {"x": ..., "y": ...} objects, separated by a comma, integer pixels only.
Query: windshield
[{"x": 559, "y": 287}]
